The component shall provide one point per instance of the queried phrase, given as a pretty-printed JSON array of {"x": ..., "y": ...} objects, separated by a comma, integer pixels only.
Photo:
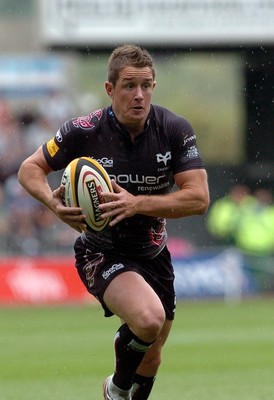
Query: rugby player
[{"x": 146, "y": 149}]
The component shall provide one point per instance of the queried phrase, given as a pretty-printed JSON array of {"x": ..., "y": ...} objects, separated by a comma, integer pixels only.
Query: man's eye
[{"x": 147, "y": 86}]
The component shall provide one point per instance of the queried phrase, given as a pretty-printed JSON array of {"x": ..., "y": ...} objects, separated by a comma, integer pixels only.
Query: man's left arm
[{"x": 192, "y": 198}]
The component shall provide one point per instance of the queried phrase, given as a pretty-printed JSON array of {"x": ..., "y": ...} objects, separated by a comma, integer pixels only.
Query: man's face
[{"x": 131, "y": 95}]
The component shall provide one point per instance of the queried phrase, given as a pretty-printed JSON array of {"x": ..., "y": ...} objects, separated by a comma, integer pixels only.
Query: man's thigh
[{"x": 132, "y": 299}]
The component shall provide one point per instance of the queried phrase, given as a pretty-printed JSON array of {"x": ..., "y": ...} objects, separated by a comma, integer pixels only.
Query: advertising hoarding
[{"x": 157, "y": 22}]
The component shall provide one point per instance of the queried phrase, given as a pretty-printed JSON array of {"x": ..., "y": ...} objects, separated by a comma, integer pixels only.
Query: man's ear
[{"x": 109, "y": 89}]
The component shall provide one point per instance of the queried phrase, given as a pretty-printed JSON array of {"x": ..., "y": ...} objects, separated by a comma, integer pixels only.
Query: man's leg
[
  {"x": 147, "y": 370},
  {"x": 131, "y": 298},
  {"x": 129, "y": 352}
]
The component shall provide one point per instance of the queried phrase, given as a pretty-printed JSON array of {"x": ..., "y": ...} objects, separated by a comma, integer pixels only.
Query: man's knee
[{"x": 149, "y": 323}]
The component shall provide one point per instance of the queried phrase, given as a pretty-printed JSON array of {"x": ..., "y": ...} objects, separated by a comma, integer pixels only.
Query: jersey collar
[{"x": 116, "y": 125}]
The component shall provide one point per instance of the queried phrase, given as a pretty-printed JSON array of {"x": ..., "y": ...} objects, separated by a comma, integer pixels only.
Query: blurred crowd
[
  {"x": 244, "y": 218},
  {"x": 26, "y": 226}
]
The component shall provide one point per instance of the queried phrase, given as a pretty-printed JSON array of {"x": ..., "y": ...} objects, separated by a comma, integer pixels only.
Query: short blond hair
[{"x": 126, "y": 55}]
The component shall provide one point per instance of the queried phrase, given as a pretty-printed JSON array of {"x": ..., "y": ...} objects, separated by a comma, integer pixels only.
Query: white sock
[{"x": 114, "y": 390}]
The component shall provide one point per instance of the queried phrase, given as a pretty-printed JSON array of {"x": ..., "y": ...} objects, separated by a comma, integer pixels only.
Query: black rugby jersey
[{"x": 147, "y": 166}]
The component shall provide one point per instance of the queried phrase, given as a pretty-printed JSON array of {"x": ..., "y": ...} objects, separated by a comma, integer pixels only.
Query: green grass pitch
[{"x": 215, "y": 351}]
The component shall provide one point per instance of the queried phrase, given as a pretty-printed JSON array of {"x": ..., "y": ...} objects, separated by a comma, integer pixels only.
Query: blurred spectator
[
  {"x": 39, "y": 131},
  {"x": 12, "y": 148},
  {"x": 5, "y": 112},
  {"x": 21, "y": 210},
  {"x": 26, "y": 226},
  {"x": 4, "y": 223},
  {"x": 56, "y": 109},
  {"x": 225, "y": 213},
  {"x": 52, "y": 233},
  {"x": 29, "y": 225},
  {"x": 255, "y": 234},
  {"x": 245, "y": 220}
]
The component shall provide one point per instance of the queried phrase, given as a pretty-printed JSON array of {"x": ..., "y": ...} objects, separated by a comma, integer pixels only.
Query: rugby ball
[{"x": 84, "y": 180}]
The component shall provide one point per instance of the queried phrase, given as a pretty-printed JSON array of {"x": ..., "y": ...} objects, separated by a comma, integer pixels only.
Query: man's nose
[{"x": 139, "y": 93}]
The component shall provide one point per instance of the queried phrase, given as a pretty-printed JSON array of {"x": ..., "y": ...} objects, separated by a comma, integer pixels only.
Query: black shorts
[{"x": 97, "y": 269}]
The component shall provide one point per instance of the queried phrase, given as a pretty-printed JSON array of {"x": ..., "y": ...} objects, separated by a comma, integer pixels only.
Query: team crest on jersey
[
  {"x": 157, "y": 237},
  {"x": 89, "y": 121},
  {"x": 163, "y": 157}
]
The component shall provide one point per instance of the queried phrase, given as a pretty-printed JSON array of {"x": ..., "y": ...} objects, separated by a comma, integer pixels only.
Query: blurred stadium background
[{"x": 214, "y": 66}]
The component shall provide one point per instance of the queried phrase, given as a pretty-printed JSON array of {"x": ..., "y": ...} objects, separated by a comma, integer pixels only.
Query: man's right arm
[{"x": 32, "y": 175}]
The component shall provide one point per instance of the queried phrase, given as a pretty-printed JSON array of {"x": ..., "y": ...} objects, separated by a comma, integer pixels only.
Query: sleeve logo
[
  {"x": 52, "y": 147},
  {"x": 192, "y": 152}
]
